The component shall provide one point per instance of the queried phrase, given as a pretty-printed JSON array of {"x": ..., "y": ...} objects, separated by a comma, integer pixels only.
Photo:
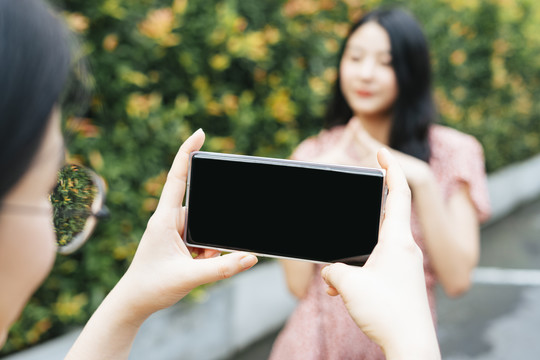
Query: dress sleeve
[
  {"x": 469, "y": 168},
  {"x": 307, "y": 150}
]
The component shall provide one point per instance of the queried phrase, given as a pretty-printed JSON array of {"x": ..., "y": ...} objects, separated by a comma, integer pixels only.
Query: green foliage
[{"x": 256, "y": 76}]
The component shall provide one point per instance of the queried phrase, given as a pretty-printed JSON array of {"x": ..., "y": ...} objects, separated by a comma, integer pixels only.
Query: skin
[
  {"x": 27, "y": 240},
  {"x": 451, "y": 228},
  {"x": 396, "y": 313}
]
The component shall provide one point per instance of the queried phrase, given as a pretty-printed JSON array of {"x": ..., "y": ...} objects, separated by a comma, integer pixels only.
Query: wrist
[
  {"x": 423, "y": 178},
  {"x": 420, "y": 348},
  {"x": 124, "y": 299}
]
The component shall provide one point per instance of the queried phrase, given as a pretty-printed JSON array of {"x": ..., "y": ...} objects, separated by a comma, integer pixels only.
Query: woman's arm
[
  {"x": 450, "y": 227},
  {"x": 298, "y": 275},
  {"x": 451, "y": 231},
  {"x": 163, "y": 271},
  {"x": 387, "y": 297}
]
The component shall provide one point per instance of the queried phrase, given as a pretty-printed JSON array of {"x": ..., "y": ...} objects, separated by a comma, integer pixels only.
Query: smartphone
[{"x": 283, "y": 208}]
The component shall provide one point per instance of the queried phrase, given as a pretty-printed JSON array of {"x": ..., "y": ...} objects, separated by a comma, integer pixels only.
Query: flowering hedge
[{"x": 256, "y": 76}]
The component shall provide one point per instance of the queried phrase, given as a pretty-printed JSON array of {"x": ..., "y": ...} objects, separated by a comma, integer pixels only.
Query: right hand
[
  {"x": 387, "y": 297},
  {"x": 354, "y": 148}
]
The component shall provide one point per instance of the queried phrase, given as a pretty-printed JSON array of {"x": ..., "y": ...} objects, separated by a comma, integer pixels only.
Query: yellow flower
[
  {"x": 133, "y": 77},
  {"x": 300, "y": 7},
  {"x": 341, "y": 29},
  {"x": 113, "y": 8},
  {"x": 458, "y": 57},
  {"x": 331, "y": 45},
  {"x": 271, "y": 34},
  {"x": 230, "y": 104},
  {"x": 96, "y": 160},
  {"x": 499, "y": 73},
  {"x": 213, "y": 108},
  {"x": 69, "y": 306},
  {"x": 318, "y": 86},
  {"x": 281, "y": 106},
  {"x": 458, "y": 5},
  {"x": 158, "y": 25},
  {"x": 219, "y": 62},
  {"x": 179, "y": 6},
  {"x": 330, "y": 75},
  {"x": 125, "y": 251},
  {"x": 218, "y": 143},
  {"x": 451, "y": 111},
  {"x": 256, "y": 46},
  {"x": 150, "y": 204},
  {"x": 200, "y": 83},
  {"x": 154, "y": 185},
  {"x": 39, "y": 328}
]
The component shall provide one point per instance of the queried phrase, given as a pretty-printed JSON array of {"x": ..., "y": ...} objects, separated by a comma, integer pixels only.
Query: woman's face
[
  {"x": 27, "y": 239},
  {"x": 368, "y": 81}
]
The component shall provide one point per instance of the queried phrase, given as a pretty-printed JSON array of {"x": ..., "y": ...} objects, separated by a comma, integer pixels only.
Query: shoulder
[
  {"x": 445, "y": 141},
  {"x": 315, "y": 145}
]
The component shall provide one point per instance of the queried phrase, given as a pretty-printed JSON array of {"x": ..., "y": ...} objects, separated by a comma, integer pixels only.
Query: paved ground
[{"x": 499, "y": 318}]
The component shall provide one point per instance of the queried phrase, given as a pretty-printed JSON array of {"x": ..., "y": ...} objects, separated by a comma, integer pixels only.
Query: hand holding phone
[{"x": 283, "y": 208}]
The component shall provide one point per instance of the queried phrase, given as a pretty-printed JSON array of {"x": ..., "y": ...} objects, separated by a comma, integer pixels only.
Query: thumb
[
  {"x": 214, "y": 269},
  {"x": 334, "y": 275}
]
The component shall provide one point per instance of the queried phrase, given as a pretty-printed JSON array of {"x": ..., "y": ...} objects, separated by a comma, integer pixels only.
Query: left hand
[{"x": 163, "y": 270}]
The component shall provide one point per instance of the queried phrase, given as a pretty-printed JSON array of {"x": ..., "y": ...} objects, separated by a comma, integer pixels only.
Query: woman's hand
[
  {"x": 387, "y": 297},
  {"x": 163, "y": 271},
  {"x": 358, "y": 148}
]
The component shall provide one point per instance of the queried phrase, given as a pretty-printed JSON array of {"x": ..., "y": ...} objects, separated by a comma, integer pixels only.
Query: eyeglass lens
[{"x": 77, "y": 198}]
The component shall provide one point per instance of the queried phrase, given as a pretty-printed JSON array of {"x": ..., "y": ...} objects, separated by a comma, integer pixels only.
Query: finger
[
  {"x": 398, "y": 202},
  {"x": 334, "y": 275},
  {"x": 223, "y": 267},
  {"x": 175, "y": 186},
  {"x": 332, "y": 291}
]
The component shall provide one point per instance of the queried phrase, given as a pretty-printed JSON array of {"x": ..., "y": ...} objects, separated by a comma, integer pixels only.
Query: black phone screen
[{"x": 287, "y": 209}]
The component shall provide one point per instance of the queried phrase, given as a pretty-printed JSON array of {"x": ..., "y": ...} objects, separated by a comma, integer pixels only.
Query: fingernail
[
  {"x": 324, "y": 271},
  {"x": 248, "y": 261}
]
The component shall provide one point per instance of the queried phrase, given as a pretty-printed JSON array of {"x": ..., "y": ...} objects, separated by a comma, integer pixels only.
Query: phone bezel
[{"x": 280, "y": 162}]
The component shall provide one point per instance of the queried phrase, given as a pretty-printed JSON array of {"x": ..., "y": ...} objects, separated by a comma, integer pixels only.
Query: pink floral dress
[{"x": 320, "y": 327}]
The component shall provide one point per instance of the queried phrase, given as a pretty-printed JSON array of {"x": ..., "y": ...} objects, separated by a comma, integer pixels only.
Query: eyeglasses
[{"x": 78, "y": 202}]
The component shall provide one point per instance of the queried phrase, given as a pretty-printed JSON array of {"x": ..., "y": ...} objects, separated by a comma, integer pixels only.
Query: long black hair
[
  {"x": 414, "y": 110},
  {"x": 34, "y": 65}
]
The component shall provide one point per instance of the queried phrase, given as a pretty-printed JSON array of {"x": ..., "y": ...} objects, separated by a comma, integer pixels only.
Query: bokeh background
[{"x": 256, "y": 76}]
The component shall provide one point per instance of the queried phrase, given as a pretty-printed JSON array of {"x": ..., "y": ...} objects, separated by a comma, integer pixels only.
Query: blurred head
[
  {"x": 384, "y": 70},
  {"x": 34, "y": 65}
]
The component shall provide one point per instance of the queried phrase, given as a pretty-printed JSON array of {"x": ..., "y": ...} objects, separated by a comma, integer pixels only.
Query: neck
[{"x": 377, "y": 126}]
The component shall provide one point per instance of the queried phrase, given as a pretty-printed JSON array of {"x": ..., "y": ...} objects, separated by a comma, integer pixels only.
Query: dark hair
[
  {"x": 414, "y": 110},
  {"x": 34, "y": 65}
]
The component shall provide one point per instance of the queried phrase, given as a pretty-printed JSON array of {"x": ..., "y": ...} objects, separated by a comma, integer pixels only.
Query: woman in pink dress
[{"x": 383, "y": 98}]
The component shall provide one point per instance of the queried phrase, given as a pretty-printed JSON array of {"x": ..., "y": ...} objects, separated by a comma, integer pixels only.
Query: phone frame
[{"x": 281, "y": 162}]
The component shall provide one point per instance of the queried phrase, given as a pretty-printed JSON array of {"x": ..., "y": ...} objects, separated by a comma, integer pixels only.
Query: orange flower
[
  {"x": 83, "y": 126},
  {"x": 110, "y": 42},
  {"x": 458, "y": 57},
  {"x": 158, "y": 25},
  {"x": 139, "y": 105},
  {"x": 77, "y": 22}
]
